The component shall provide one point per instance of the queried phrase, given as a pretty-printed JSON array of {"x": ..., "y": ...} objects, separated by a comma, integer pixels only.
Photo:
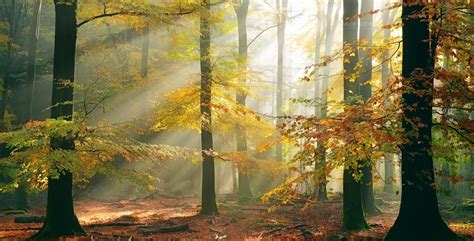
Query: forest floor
[{"x": 164, "y": 218}]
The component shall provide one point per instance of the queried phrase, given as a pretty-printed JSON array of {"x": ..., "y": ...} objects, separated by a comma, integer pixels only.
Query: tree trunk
[
  {"x": 26, "y": 114},
  {"x": 368, "y": 199},
  {"x": 354, "y": 218},
  {"x": 322, "y": 182},
  {"x": 365, "y": 54},
  {"x": 126, "y": 40},
  {"x": 388, "y": 161},
  {"x": 419, "y": 218},
  {"x": 445, "y": 182},
  {"x": 317, "y": 59},
  {"x": 145, "y": 51},
  {"x": 320, "y": 186},
  {"x": 209, "y": 206},
  {"x": 331, "y": 25},
  {"x": 241, "y": 11},
  {"x": 282, "y": 11},
  {"x": 467, "y": 174},
  {"x": 31, "y": 68},
  {"x": 389, "y": 178},
  {"x": 60, "y": 217}
]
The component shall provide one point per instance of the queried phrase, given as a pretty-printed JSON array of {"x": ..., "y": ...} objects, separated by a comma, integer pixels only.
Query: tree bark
[
  {"x": 241, "y": 11},
  {"x": 60, "y": 217},
  {"x": 282, "y": 13},
  {"x": 368, "y": 199},
  {"x": 354, "y": 218},
  {"x": 209, "y": 206},
  {"x": 419, "y": 218}
]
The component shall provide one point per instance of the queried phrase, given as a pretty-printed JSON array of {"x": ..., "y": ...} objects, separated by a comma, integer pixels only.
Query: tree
[
  {"x": 317, "y": 55},
  {"x": 241, "y": 9},
  {"x": 282, "y": 6},
  {"x": 320, "y": 186},
  {"x": 16, "y": 11},
  {"x": 331, "y": 24},
  {"x": 387, "y": 18},
  {"x": 7, "y": 65},
  {"x": 31, "y": 65},
  {"x": 61, "y": 219},
  {"x": 26, "y": 113},
  {"x": 364, "y": 79},
  {"x": 419, "y": 218},
  {"x": 209, "y": 206},
  {"x": 354, "y": 218}
]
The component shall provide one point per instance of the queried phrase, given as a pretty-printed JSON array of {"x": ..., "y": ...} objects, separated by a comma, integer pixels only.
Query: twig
[{"x": 117, "y": 224}]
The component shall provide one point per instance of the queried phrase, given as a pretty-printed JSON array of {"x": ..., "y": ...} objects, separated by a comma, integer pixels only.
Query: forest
[{"x": 330, "y": 120}]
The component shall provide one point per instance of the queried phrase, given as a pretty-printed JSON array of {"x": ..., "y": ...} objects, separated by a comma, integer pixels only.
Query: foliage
[
  {"x": 366, "y": 130},
  {"x": 96, "y": 147},
  {"x": 181, "y": 110}
]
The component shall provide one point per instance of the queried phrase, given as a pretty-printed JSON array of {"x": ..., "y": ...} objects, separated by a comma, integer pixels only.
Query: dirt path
[{"x": 139, "y": 220}]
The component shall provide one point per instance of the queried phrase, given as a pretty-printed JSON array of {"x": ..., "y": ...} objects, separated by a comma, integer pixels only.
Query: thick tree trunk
[
  {"x": 60, "y": 217},
  {"x": 353, "y": 212},
  {"x": 354, "y": 218},
  {"x": 419, "y": 218},
  {"x": 367, "y": 188},
  {"x": 241, "y": 11},
  {"x": 209, "y": 206},
  {"x": 145, "y": 51},
  {"x": 365, "y": 77},
  {"x": 282, "y": 11}
]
